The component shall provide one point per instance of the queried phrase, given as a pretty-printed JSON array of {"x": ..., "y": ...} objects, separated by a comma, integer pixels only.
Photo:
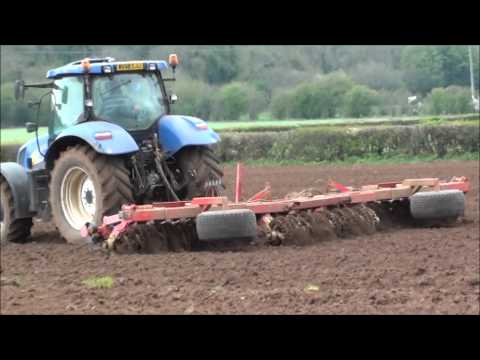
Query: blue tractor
[{"x": 112, "y": 140}]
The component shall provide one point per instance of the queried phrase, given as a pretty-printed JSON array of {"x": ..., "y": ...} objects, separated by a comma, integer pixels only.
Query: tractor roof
[{"x": 105, "y": 66}]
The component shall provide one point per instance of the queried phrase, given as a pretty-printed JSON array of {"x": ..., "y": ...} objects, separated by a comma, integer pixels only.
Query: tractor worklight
[
  {"x": 107, "y": 69},
  {"x": 86, "y": 64},
  {"x": 173, "y": 60}
]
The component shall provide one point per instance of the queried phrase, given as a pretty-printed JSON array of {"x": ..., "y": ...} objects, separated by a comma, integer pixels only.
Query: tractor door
[{"x": 67, "y": 105}]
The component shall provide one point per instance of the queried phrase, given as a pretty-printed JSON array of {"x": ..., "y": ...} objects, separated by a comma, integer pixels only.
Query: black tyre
[
  {"x": 433, "y": 205},
  {"x": 226, "y": 224},
  {"x": 201, "y": 171},
  {"x": 11, "y": 229},
  {"x": 84, "y": 187}
]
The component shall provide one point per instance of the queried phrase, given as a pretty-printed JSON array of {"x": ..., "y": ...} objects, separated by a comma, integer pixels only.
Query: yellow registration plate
[{"x": 130, "y": 67}]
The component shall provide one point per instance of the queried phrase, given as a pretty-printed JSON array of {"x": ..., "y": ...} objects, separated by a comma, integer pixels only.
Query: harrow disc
[
  {"x": 156, "y": 237},
  {"x": 310, "y": 226}
]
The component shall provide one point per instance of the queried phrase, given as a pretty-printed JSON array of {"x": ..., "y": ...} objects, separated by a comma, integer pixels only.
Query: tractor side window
[{"x": 67, "y": 103}]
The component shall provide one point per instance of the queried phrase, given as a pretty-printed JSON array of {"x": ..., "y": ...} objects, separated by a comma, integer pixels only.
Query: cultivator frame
[{"x": 337, "y": 195}]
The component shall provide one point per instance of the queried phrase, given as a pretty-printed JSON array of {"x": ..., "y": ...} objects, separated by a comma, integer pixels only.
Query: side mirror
[
  {"x": 19, "y": 89},
  {"x": 31, "y": 127},
  {"x": 173, "y": 99}
]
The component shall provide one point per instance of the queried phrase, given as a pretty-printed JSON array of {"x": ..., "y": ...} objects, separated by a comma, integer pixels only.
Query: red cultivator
[{"x": 340, "y": 211}]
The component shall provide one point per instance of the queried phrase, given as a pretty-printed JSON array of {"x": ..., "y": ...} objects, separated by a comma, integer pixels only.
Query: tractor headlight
[
  {"x": 107, "y": 69},
  {"x": 152, "y": 67}
]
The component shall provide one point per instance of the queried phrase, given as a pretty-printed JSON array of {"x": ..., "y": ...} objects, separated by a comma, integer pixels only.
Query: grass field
[
  {"x": 15, "y": 136},
  {"x": 18, "y": 135}
]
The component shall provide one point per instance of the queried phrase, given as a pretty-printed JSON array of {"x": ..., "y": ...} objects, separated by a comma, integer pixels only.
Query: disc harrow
[
  {"x": 157, "y": 236},
  {"x": 303, "y": 218}
]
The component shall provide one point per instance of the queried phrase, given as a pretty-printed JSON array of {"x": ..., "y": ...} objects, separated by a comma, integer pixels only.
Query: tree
[
  {"x": 450, "y": 100},
  {"x": 427, "y": 67},
  {"x": 195, "y": 98},
  {"x": 231, "y": 101},
  {"x": 359, "y": 100},
  {"x": 422, "y": 68},
  {"x": 322, "y": 98},
  {"x": 377, "y": 75}
]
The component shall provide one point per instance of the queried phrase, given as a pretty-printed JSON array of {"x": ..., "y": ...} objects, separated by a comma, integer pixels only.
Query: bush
[
  {"x": 322, "y": 98},
  {"x": 358, "y": 101},
  {"x": 333, "y": 144},
  {"x": 450, "y": 100},
  {"x": 238, "y": 99},
  {"x": 257, "y": 102},
  {"x": 231, "y": 101},
  {"x": 392, "y": 103},
  {"x": 281, "y": 105}
]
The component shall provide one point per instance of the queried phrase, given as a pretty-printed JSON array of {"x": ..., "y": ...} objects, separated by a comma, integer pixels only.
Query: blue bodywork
[
  {"x": 121, "y": 142},
  {"x": 174, "y": 133},
  {"x": 30, "y": 150},
  {"x": 177, "y": 131},
  {"x": 97, "y": 68}
]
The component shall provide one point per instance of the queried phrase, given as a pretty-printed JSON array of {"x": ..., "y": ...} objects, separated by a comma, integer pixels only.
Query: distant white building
[{"x": 412, "y": 99}]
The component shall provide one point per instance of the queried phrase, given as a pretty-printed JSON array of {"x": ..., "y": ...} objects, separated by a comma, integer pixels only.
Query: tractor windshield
[{"x": 133, "y": 101}]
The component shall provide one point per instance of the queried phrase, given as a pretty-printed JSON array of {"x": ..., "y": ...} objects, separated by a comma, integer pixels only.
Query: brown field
[{"x": 398, "y": 271}]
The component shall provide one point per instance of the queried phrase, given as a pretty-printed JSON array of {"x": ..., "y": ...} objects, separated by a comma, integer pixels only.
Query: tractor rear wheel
[
  {"x": 11, "y": 229},
  {"x": 84, "y": 187},
  {"x": 201, "y": 171}
]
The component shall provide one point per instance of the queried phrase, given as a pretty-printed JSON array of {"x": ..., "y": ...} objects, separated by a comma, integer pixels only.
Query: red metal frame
[
  {"x": 238, "y": 182},
  {"x": 116, "y": 224}
]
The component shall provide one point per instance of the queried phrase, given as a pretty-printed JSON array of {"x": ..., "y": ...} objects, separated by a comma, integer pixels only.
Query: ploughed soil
[{"x": 404, "y": 270}]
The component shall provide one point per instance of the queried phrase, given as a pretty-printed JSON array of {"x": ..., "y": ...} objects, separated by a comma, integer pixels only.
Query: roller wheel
[
  {"x": 226, "y": 224},
  {"x": 435, "y": 205}
]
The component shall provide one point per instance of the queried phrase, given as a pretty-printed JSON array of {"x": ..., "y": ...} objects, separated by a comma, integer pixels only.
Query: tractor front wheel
[{"x": 84, "y": 187}]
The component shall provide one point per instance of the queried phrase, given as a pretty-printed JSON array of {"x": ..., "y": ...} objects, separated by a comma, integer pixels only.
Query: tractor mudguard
[
  {"x": 19, "y": 182},
  {"x": 104, "y": 137},
  {"x": 178, "y": 131},
  {"x": 29, "y": 150}
]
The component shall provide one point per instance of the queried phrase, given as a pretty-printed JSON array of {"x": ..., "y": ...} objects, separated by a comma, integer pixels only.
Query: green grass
[
  {"x": 104, "y": 282},
  {"x": 290, "y": 124},
  {"x": 275, "y": 125},
  {"x": 18, "y": 136}
]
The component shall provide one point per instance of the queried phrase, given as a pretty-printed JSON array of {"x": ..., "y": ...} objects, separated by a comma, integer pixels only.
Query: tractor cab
[{"x": 130, "y": 94}]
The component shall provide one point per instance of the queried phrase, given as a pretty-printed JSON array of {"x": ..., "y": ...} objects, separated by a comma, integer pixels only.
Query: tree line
[{"x": 250, "y": 82}]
